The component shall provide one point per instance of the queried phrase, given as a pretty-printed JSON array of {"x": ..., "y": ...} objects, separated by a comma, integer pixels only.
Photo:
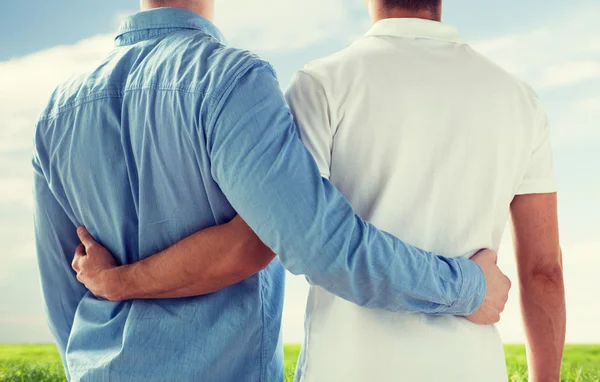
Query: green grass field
[{"x": 40, "y": 363}]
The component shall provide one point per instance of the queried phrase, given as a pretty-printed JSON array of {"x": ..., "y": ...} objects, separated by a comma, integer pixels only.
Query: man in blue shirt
[{"x": 176, "y": 132}]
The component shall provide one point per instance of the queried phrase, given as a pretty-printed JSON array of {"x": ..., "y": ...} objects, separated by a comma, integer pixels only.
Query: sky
[{"x": 552, "y": 44}]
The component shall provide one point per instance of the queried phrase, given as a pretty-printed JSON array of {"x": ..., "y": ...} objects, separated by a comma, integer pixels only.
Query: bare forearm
[
  {"x": 544, "y": 314},
  {"x": 202, "y": 263}
]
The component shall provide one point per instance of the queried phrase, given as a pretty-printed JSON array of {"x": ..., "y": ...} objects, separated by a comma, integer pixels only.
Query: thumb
[{"x": 86, "y": 238}]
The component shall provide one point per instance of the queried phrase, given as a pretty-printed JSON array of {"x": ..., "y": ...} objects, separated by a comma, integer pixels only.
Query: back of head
[
  {"x": 427, "y": 9},
  {"x": 204, "y": 8},
  {"x": 411, "y": 5}
]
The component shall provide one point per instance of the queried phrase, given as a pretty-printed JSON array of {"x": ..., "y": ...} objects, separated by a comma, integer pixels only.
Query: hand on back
[
  {"x": 92, "y": 262},
  {"x": 498, "y": 286}
]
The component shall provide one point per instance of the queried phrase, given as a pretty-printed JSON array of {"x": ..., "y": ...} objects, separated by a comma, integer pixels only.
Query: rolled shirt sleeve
[{"x": 273, "y": 182}]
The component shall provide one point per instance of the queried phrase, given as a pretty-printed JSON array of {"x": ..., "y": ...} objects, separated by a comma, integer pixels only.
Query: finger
[
  {"x": 493, "y": 319},
  {"x": 79, "y": 253},
  {"x": 86, "y": 238},
  {"x": 498, "y": 307}
]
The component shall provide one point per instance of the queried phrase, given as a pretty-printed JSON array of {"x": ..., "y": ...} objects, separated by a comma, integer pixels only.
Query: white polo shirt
[{"x": 429, "y": 141}]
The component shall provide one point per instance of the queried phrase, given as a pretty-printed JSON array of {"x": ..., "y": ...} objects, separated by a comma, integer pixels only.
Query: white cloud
[
  {"x": 568, "y": 73},
  {"x": 284, "y": 25},
  {"x": 578, "y": 123},
  {"x": 557, "y": 57},
  {"x": 120, "y": 16},
  {"x": 591, "y": 104},
  {"x": 20, "y": 258},
  {"x": 565, "y": 52},
  {"x": 17, "y": 190},
  {"x": 28, "y": 81}
]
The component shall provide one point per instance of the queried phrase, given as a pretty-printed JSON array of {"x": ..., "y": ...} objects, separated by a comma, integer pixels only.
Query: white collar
[{"x": 415, "y": 28}]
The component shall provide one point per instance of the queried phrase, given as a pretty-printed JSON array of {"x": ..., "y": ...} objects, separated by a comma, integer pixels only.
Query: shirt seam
[
  {"x": 122, "y": 40},
  {"x": 71, "y": 105},
  {"x": 157, "y": 26},
  {"x": 153, "y": 33}
]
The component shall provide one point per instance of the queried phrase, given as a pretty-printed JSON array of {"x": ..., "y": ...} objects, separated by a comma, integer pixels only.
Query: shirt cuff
[{"x": 472, "y": 291}]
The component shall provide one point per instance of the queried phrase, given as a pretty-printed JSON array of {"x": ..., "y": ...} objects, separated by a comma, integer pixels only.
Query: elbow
[
  {"x": 250, "y": 254},
  {"x": 264, "y": 256},
  {"x": 256, "y": 259},
  {"x": 549, "y": 276}
]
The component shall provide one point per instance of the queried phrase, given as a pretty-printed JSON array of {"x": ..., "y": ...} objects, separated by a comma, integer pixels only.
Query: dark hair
[{"x": 412, "y": 5}]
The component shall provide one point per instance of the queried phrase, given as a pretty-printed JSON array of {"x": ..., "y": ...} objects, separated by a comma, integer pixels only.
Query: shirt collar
[
  {"x": 160, "y": 21},
  {"x": 415, "y": 28}
]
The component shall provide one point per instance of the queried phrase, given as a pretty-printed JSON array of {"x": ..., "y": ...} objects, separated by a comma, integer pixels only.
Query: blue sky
[{"x": 554, "y": 45}]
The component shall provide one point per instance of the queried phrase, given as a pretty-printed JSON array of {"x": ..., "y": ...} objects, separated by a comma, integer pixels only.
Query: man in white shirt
[{"x": 411, "y": 101}]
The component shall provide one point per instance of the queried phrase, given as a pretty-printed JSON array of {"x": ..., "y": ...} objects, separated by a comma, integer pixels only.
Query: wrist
[{"x": 114, "y": 284}]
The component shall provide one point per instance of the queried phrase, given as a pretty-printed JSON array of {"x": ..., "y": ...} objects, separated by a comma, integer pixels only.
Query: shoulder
[
  {"x": 523, "y": 98},
  {"x": 510, "y": 81},
  {"x": 64, "y": 95},
  {"x": 241, "y": 67},
  {"x": 233, "y": 60},
  {"x": 83, "y": 87},
  {"x": 218, "y": 68},
  {"x": 326, "y": 75},
  {"x": 327, "y": 69}
]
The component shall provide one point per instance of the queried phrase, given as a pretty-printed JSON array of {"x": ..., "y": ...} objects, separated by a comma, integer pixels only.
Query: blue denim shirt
[{"x": 175, "y": 132}]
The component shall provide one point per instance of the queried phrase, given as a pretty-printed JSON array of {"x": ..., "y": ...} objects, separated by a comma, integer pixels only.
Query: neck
[
  {"x": 379, "y": 12},
  {"x": 205, "y": 8}
]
